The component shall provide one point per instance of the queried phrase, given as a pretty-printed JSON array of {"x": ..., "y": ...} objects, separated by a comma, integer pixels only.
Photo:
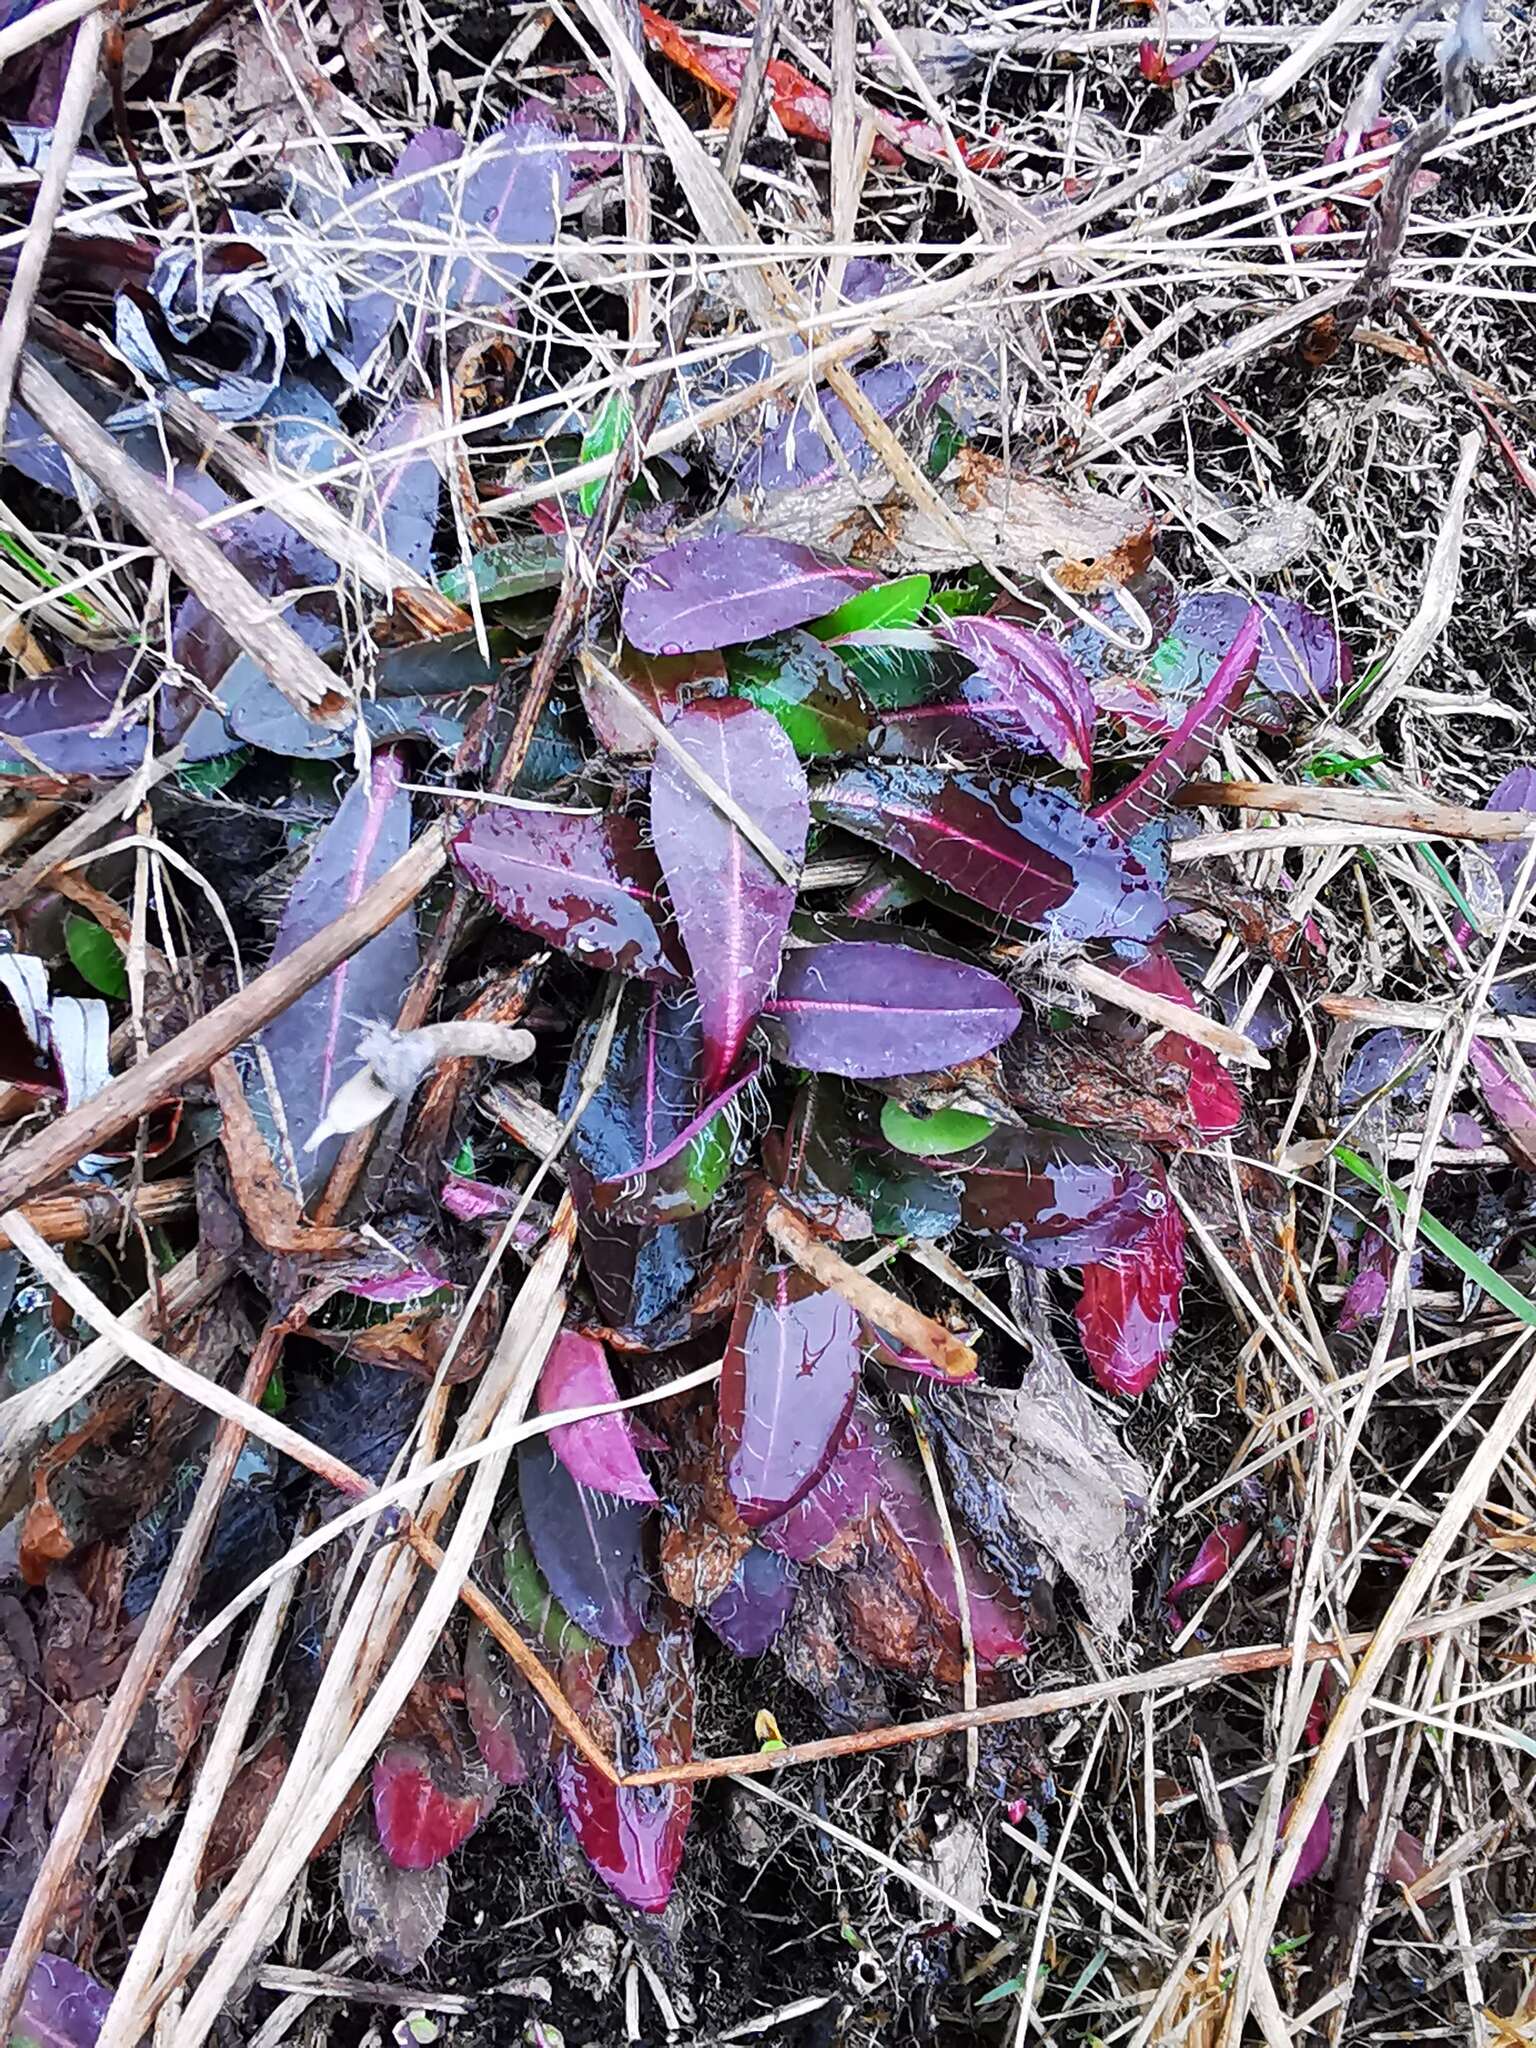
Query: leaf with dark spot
[
  {"x": 729, "y": 587},
  {"x": 867, "y": 1010},
  {"x": 509, "y": 1724},
  {"x": 588, "y": 1546},
  {"x": 786, "y": 1390},
  {"x": 732, "y": 908},
  {"x": 1024, "y": 852},
  {"x": 393, "y": 1915},
  {"x": 585, "y": 884},
  {"x": 513, "y": 188},
  {"x": 633, "y": 1836}
]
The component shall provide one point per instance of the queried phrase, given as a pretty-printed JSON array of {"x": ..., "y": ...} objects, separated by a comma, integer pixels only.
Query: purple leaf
[
  {"x": 1517, "y": 792},
  {"x": 1509, "y": 1099},
  {"x": 1314, "y": 1850},
  {"x": 61, "y": 2007},
  {"x": 587, "y": 1545},
  {"x": 729, "y": 587},
  {"x": 1053, "y": 1199},
  {"x": 1147, "y": 797},
  {"x": 633, "y": 1836},
  {"x": 732, "y": 908},
  {"x": 683, "y": 1177},
  {"x": 749, "y": 1614},
  {"x": 794, "y": 453},
  {"x": 52, "y": 723},
  {"x": 382, "y": 234},
  {"x": 600, "y": 1452},
  {"x": 649, "y": 1093},
  {"x": 1026, "y": 691},
  {"x": 1302, "y": 662},
  {"x": 1213, "y": 1560},
  {"x": 421, "y": 1813},
  {"x": 867, "y": 1010},
  {"x": 403, "y": 484},
  {"x": 1023, "y": 852},
  {"x": 1128, "y": 1311},
  {"x": 587, "y": 885},
  {"x": 791, "y": 1371},
  {"x": 844, "y": 1494},
  {"x": 514, "y": 187},
  {"x": 313, "y": 1043}
]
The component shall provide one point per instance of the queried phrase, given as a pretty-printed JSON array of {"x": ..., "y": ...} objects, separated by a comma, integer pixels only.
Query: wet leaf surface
[
  {"x": 589, "y": 1546},
  {"x": 733, "y": 910},
  {"x": 730, "y": 588},
  {"x": 1024, "y": 852},
  {"x": 867, "y": 1011},
  {"x": 791, "y": 1370},
  {"x": 600, "y": 1452},
  {"x": 587, "y": 884}
]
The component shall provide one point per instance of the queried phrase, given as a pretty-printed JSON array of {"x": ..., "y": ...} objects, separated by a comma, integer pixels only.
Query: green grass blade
[{"x": 1444, "y": 1240}]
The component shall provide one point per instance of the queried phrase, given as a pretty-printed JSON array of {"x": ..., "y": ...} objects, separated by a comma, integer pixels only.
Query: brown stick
[
  {"x": 123, "y": 1101},
  {"x": 887, "y": 1311},
  {"x": 109, "y": 809},
  {"x": 256, "y": 628},
  {"x": 1185, "y": 1671},
  {"x": 1353, "y": 807},
  {"x": 90, "y": 1216}
]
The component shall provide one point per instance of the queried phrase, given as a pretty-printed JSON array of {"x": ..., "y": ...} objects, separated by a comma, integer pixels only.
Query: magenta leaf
[
  {"x": 588, "y": 1546},
  {"x": 1052, "y": 1198},
  {"x": 1314, "y": 1850},
  {"x": 1128, "y": 1311},
  {"x": 1214, "y": 1103},
  {"x": 749, "y": 1614},
  {"x": 600, "y": 1452},
  {"x": 727, "y": 588},
  {"x": 422, "y": 1815},
  {"x": 1509, "y": 1099},
  {"x": 732, "y": 908},
  {"x": 1027, "y": 691},
  {"x": 1213, "y": 1561},
  {"x": 633, "y": 1836},
  {"x": 61, "y": 2007},
  {"x": 867, "y": 1010},
  {"x": 1023, "y": 852},
  {"x": 786, "y": 1390},
  {"x": 313, "y": 1043},
  {"x": 1147, "y": 797},
  {"x": 997, "y": 1620},
  {"x": 506, "y": 1720},
  {"x": 587, "y": 885},
  {"x": 845, "y": 1492}
]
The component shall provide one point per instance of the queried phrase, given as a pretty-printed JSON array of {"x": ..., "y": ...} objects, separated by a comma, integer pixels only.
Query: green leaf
[
  {"x": 465, "y": 1163},
  {"x": 886, "y": 605},
  {"x": 515, "y": 568},
  {"x": 708, "y": 1161},
  {"x": 806, "y": 688},
  {"x": 947, "y": 442},
  {"x": 605, "y": 436},
  {"x": 95, "y": 956},
  {"x": 275, "y": 1399},
  {"x": 529, "y": 1593},
  {"x": 206, "y": 778},
  {"x": 932, "y": 1137},
  {"x": 1444, "y": 1240}
]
